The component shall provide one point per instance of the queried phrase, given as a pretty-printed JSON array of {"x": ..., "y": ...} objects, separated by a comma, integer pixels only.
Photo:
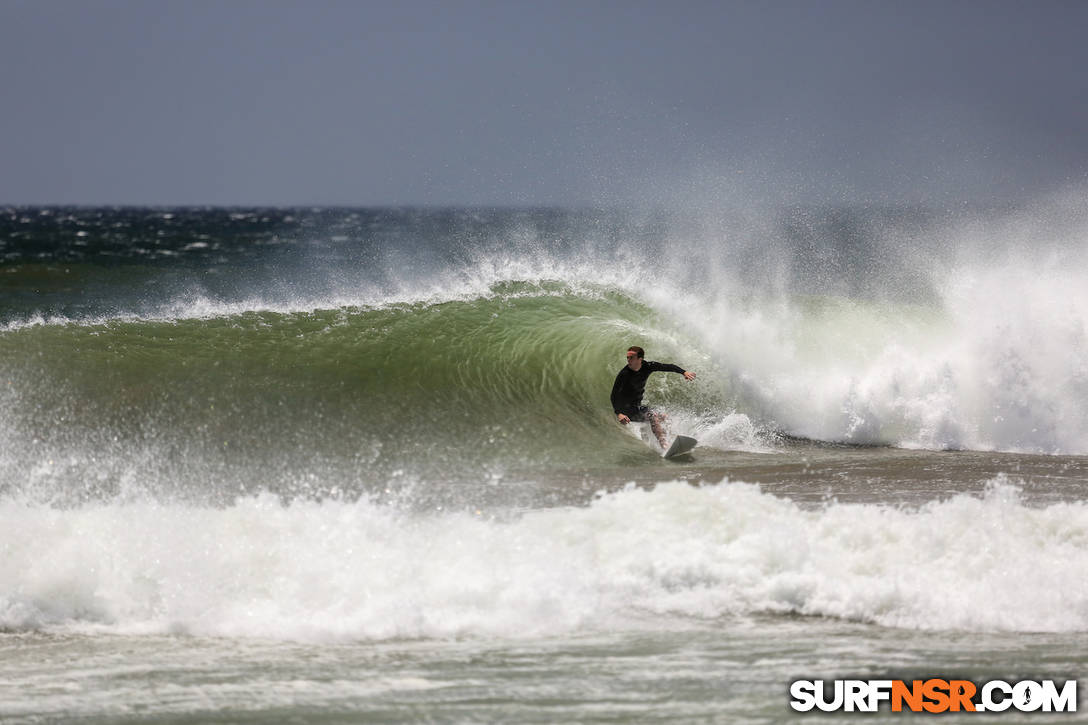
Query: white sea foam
[
  {"x": 997, "y": 358},
  {"x": 981, "y": 373},
  {"x": 344, "y": 571}
]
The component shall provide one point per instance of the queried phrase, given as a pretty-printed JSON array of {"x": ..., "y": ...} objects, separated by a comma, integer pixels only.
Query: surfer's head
[{"x": 634, "y": 357}]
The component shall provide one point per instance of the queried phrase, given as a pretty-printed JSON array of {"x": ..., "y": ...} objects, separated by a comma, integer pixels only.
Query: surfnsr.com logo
[{"x": 933, "y": 695}]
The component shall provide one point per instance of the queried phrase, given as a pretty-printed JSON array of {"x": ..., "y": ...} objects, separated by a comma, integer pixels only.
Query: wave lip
[{"x": 359, "y": 571}]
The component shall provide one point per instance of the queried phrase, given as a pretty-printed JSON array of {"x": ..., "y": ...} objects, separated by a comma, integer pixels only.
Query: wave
[
  {"x": 502, "y": 352},
  {"x": 339, "y": 570},
  {"x": 429, "y": 390}
]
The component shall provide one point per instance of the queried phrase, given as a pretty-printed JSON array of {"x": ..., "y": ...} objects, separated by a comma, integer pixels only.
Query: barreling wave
[
  {"x": 449, "y": 346},
  {"x": 519, "y": 377}
]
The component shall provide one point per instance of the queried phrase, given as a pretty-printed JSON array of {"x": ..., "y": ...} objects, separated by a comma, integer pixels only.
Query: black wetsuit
[{"x": 630, "y": 385}]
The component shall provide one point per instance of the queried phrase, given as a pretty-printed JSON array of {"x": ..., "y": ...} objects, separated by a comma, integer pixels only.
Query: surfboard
[{"x": 680, "y": 446}]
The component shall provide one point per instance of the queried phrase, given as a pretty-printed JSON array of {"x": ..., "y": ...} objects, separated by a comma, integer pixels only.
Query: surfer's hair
[{"x": 637, "y": 350}]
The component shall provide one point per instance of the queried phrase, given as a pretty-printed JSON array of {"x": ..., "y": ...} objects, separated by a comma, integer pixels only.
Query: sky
[{"x": 540, "y": 102}]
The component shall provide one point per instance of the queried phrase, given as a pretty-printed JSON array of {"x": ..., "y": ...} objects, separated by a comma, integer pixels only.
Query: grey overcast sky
[{"x": 529, "y": 102}]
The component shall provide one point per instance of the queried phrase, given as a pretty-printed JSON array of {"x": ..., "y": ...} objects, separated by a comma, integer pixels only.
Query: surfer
[{"x": 631, "y": 384}]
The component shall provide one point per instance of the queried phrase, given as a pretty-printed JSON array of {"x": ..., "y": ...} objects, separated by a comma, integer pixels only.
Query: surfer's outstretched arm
[{"x": 669, "y": 368}]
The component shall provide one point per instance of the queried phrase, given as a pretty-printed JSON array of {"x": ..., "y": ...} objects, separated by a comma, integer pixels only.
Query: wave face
[
  {"x": 343, "y": 571},
  {"x": 435, "y": 344},
  {"x": 436, "y": 388}
]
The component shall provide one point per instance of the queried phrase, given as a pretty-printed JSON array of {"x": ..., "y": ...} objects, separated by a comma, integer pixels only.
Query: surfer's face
[{"x": 633, "y": 360}]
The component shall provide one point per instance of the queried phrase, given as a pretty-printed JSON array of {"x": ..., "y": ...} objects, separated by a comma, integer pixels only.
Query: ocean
[{"x": 359, "y": 465}]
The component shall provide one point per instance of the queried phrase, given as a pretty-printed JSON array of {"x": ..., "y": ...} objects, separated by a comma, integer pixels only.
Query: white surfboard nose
[{"x": 680, "y": 446}]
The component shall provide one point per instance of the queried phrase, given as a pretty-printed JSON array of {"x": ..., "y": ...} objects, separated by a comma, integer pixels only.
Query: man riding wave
[{"x": 630, "y": 385}]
